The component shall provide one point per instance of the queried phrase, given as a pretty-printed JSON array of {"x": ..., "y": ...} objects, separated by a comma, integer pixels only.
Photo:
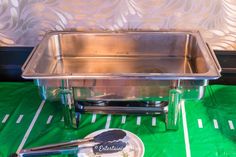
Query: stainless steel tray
[
  {"x": 122, "y": 66},
  {"x": 128, "y": 55}
]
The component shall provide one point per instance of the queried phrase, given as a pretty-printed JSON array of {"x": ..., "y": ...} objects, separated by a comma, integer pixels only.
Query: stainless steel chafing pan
[{"x": 93, "y": 71}]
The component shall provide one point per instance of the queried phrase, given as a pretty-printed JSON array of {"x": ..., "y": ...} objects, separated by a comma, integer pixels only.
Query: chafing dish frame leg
[
  {"x": 71, "y": 117},
  {"x": 172, "y": 115},
  {"x": 72, "y": 110}
]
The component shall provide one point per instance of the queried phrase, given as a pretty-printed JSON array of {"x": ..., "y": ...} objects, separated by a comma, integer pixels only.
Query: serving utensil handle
[
  {"x": 72, "y": 150},
  {"x": 58, "y": 145}
]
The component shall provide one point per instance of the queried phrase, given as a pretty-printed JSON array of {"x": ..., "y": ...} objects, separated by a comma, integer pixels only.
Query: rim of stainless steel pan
[{"x": 212, "y": 73}]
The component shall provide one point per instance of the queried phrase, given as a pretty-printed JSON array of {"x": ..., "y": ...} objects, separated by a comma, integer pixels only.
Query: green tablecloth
[{"x": 19, "y": 103}]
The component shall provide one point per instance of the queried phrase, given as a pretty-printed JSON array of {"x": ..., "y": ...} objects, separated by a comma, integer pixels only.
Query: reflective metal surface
[
  {"x": 122, "y": 66},
  {"x": 128, "y": 55}
]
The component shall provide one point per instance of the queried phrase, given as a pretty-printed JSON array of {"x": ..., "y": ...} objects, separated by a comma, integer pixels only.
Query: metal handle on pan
[
  {"x": 28, "y": 59},
  {"x": 214, "y": 58}
]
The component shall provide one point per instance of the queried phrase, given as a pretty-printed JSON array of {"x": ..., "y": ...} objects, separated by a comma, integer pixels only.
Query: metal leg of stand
[
  {"x": 172, "y": 119},
  {"x": 71, "y": 119}
]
